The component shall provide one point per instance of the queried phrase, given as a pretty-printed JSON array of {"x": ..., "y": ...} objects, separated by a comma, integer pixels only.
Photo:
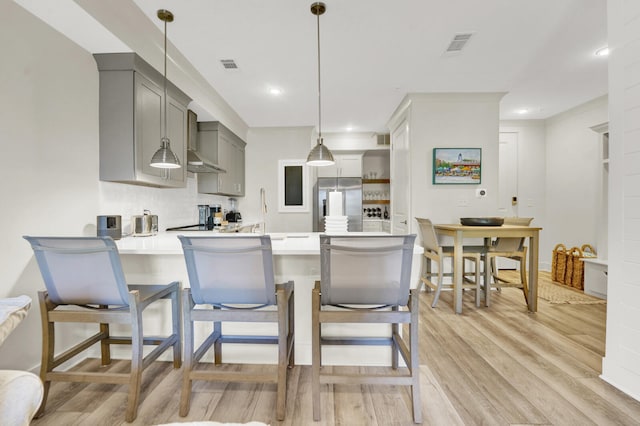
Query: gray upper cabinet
[
  {"x": 221, "y": 145},
  {"x": 132, "y": 120}
]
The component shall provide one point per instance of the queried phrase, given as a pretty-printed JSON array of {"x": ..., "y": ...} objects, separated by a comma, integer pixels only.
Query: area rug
[
  {"x": 207, "y": 423},
  {"x": 557, "y": 294}
]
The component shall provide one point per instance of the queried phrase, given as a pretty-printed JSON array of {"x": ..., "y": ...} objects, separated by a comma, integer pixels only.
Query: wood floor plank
[
  {"x": 549, "y": 405},
  {"x": 298, "y": 396},
  {"x": 437, "y": 409},
  {"x": 497, "y": 365},
  {"x": 351, "y": 408},
  {"x": 529, "y": 336},
  {"x": 624, "y": 403},
  {"x": 390, "y": 404},
  {"x": 448, "y": 356},
  {"x": 494, "y": 365},
  {"x": 161, "y": 405},
  {"x": 552, "y": 363}
]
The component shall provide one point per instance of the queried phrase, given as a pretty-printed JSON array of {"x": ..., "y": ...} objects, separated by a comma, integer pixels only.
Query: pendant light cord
[
  {"x": 319, "y": 87},
  {"x": 165, "y": 80}
]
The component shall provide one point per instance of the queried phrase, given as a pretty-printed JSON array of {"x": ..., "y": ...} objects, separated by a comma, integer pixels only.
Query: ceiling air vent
[
  {"x": 458, "y": 43},
  {"x": 229, "y": 64}
]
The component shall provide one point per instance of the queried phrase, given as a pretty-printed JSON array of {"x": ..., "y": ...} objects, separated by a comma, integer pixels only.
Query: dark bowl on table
[{"x": 482, "y": 221}]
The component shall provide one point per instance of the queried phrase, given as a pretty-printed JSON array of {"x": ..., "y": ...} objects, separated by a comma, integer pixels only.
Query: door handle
[{"x": 404, "y": 221}]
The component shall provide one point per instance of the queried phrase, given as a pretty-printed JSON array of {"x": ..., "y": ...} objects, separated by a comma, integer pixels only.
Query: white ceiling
[{"x": 375, "y": 52}]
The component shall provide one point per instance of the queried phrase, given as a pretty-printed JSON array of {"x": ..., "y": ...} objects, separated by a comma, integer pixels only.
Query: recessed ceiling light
[
  {"x": 603, "y": 51},
  {"x": 522, "y": 111},
  {"x": 349, "y": 128},
  {"x": 275, "y": 91}
]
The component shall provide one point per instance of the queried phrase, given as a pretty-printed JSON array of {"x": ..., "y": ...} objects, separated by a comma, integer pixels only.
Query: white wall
[
  {"x": 265, "y": 146},
  {"x": 573, "y": 170},
  {"x": 50, "y": 186},
  {"x": 621, "y": 366},
  {"x": 463, "y": 120},
  {"x": 559, "y": 175}
]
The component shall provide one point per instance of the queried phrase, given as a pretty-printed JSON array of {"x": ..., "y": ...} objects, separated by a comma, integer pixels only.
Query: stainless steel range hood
[
  {"x": 196, "y": 161},
  {"x": 197, "y": 164}
]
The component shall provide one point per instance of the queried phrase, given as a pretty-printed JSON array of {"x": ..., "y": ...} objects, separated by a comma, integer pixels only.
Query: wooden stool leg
[
  {"x": 394, "y": 347},
  {"x": 136, "y": 356},
  {"x": 48, "y": 346},
  {"x": 283, "y": 363},
  {"x": 315, "y": 351},
  {"x": 414, "y": 304},
  {"x": 185, "y": 395},
  {"x": 105, "y": 348},
  {"x": 175, "y": 324}
]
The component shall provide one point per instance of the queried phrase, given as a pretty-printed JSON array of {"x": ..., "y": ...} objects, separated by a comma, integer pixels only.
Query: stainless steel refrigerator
[{"x": 351, "y": 189}]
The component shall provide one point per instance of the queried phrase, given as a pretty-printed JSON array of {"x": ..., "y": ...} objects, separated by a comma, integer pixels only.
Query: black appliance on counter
[{"x": 233, "y": 217}]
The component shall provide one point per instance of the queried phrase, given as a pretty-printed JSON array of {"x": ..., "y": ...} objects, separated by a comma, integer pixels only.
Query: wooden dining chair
[
  {"x": 85, "y": 284},
  {"x": 514, "y": 249},
  {"x": 367, "y": 279},
  {"x": 234, "y": 275},
  {"x": 438, "y": 254}
]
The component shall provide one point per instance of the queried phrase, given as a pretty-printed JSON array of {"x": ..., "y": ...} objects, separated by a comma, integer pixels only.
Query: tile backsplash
[{"x": 174, "y": 206}]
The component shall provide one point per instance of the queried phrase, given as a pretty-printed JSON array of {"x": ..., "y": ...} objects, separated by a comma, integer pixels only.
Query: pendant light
[
  {"x": 164, "y": 158},
  {"x": 320, "y": 154}
]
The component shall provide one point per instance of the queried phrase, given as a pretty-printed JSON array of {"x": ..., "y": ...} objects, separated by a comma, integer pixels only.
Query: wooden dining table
[{"x": 460, "y": 233}]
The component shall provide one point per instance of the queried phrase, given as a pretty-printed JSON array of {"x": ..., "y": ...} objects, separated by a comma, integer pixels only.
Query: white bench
[{"x": 595, "y": 277}]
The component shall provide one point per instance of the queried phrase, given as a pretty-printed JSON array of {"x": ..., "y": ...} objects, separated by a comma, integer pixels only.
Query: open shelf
[
  {"x": 375, "y": 201},
  {"x": 364, "y": 181}
]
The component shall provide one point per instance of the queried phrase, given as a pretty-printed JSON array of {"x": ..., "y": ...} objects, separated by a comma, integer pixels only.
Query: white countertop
[
  {"x": 292, "y": 243},
  {"x": 159, "y": 259}
]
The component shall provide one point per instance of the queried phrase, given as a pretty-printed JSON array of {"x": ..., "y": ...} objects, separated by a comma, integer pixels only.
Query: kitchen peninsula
[{"x": 296, "y": 257}]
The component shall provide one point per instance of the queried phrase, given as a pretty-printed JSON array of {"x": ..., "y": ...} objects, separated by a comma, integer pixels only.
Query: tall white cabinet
[{"x": 347, "y": 165}]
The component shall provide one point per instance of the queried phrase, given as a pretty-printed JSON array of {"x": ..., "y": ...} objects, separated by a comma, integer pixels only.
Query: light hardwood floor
[{"x": 493, "y": 366}]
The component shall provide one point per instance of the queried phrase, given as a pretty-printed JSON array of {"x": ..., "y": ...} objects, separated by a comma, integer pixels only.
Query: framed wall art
[{"x": 453, "y": 166}]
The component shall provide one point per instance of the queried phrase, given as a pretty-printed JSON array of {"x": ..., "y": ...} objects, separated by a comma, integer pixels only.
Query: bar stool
[
  {"x": 85, "y": 284},
  {"x": 367, "y": 278},
  {"x": 234, "y": 275}
]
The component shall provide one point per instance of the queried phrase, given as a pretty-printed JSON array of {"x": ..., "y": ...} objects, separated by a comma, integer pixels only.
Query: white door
[
  {"x": 508, "y": 175},
  {"x": 400, "y": 179}
]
